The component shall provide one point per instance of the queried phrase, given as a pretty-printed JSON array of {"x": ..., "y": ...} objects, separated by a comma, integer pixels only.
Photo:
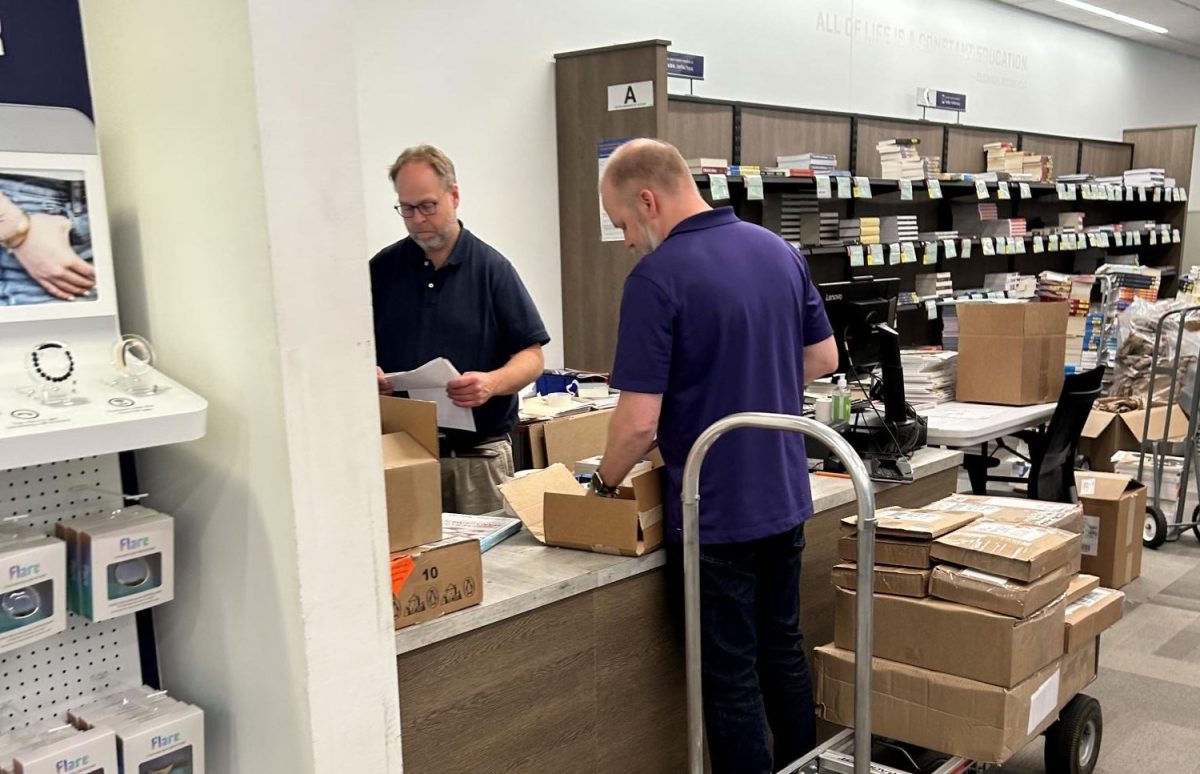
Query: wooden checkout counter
[{"x": 571, "y": 662}]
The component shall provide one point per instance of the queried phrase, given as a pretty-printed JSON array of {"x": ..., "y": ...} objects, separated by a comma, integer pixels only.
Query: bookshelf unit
[{"x": 751, "y": 133}]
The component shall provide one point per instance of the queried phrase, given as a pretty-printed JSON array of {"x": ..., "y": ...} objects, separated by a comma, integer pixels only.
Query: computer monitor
[{"x": 862, "y": 313}]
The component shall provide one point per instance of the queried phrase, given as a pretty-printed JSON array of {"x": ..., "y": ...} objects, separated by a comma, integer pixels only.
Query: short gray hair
[{"x": 441, "y": 164}]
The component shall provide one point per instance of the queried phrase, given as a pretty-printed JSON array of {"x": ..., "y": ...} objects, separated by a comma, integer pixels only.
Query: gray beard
[{"x": 435, "y": 243}]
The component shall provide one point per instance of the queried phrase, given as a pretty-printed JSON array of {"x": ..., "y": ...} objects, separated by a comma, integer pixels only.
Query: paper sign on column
[
  {"x": 719, "y": 186},
  {"x": 824, "y": 189},
  {"x": 843, "y": 188},
  {"x": 930, "y": 253},
  {"x": 894, "y": 253},
  {"x": 906, "y": 190},
  {"x": 429, "y": 383},
  {"x": 754, "y": 188},
  {"x": 966, "y": 249},
  {"x": 875, "y": 257},
  {"x": 951, "y": 248},
  {"x": 862, "y": 187},
  {"x": 856, "y": 255},
  {"x": 908, "y": 253},
  {"x": 934, "y": 186},
  {"x": 988, "y": 247},
  {"x": 608, "y": 232},
  {"x": 1002, "y": 191},
  {"x": 1038, "y": 246},
  {"x": 981, "y": 190},
  {"x": 1025, "y": 192}
]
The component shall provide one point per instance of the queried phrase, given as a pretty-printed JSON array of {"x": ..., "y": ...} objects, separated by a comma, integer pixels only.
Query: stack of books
[
  {"x": 1150, "y": 176},
  {"x": 937, "y": 236},
  {"x": 864, "y": 230},
  {"x": 800, "y": 217},
  {"x": 950, "y": 327},
  {"x": 1084, "y": 177},
  {"x": 997, "y": 153},
  {"x": 850, "y": 231},
  {"x": 898, "y": 228},
  {"x": 900, "y": 160},
  {"x": 818, "y": 163},
  {"x": 988, "y": 210},
  {"x": 741, "y": 170},
  {"x": 1113, "y": 180},
  {"x": 830, "y": 229},
  {"x": 1005, "y": 227},
  {"x": 1054, "y": 286},
  {"x": 1138, "y": 225},
  {"x": 968, "y": 219},
  {"x": 1039, "y": 168},
  {"x": 938, "y": 285},
  {"x": 1133, "y": 282},
  {"x": 708, "y": 166},
  {"x": 1071, "y": 221},
  {"x": 929, "y": 376},
  {"x": 1011, "y": 284}
]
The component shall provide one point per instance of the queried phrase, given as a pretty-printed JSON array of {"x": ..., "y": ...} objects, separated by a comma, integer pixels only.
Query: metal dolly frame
[
  {"x": 1157, "y": 530},
  {"x": 848, "y": 751}
]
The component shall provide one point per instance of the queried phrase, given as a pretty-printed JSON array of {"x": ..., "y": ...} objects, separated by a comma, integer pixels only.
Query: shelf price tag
[
  {"x": 1141, "y": 193},
  {"x": 931, "y": 309},
  {"x": 1085, "y": 191},
  {"x": 934, "y": 186},
  {"x": 1071, "y": 192},
  {"x": 1169, "y": 194},
  {"x": 1175, "y": 236},
  {"x": 989, "y": 248},
  {"x": 1038, "y": 246},
  {"x": 862, "y": 188},
  {"x": 1118, "y": 239},
  {"x": 843, "y": 187},
  {"x": 719, "y": 186},
  {"x": 908, "y": 253},
  {"x": 930, "y": 253},
  {"x": 824, "y": 190},
  {"x": 1158, "y": 194},
  {"x": 951, "y": 248},
  {"x": 1102, "y": 238},
  {"x": 856, "y": 255},
  {"x": 981, "y": 190},
  {"x": 1129, "y": 194},
  {"x": 894, "y": 256},
  {"x": 966, "y": 249},
  {"x": 1053, "y": 243},
  {"x": 1062, "y": 191},
  {"x": 1182, "y": 195},
  {"x": 1020, "y": 244},
  {"x": 754, "y": 188},
  {"x": 1154, "y": 237},
  {"x": 1137, "y": 238},
  {"x": 1026, "y": 193},
  {"x": 906, "y": 190},
  {"x": 875, "y": 257},
  {"x": 1002, "y": 191}
]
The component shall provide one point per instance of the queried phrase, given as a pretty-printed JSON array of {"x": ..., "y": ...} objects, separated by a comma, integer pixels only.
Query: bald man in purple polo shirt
[{"x": 721, "y": 316}]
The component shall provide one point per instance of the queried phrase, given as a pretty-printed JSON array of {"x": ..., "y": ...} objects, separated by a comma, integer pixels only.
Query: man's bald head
[{"x": 652, "y": 164}]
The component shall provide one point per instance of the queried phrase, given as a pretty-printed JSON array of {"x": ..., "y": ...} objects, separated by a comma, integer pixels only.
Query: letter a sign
[{"x": 627, "y": 96}]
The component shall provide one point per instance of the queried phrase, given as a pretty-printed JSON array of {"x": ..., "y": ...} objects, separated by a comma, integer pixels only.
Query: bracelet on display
[
  {"x": 18, "y": 237},
  {"x": 133, "y": 355},
  {"x": 51, "y": 363}
]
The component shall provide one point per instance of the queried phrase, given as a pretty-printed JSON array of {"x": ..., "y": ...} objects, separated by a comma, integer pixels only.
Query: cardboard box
[
  {"x": 559, "y": 512},
  {"x": 999, "y": 595},
  {"x": 412, "y": 472},
  {"x": 913, "y": 524},
  {"x": 1114, "y": 512},
  {"x": 1087, "y": 618},
  {"x": 1015, "y": 551},
  {"x": 566, "y": 440},
  {"x": 957, "y": 639},
  {"x": 1080, "y": 586},
  {"x": 1015, "y": 510},
  {"x": 901, "y": 581},
  {"x": 1011, "y": 353},
  {"x": 896, "y": 553},
  {"x": 1106, "y": 433},
  {"x": 432, "y": 580},
  {"x": 952, "y": 715}
]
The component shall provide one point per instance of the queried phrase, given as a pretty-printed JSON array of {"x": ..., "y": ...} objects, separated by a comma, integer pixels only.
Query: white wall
[
  {"x": 230, "y": 149},
  {"x": 477, "y": 77}
]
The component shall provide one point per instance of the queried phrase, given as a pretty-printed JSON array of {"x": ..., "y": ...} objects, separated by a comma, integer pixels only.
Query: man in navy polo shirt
[
  {"x": 721, "y": 316},
  {"x": 443, "y": 292}
]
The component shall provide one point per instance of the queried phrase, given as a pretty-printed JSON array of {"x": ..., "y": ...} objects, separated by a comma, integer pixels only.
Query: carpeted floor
[{"x": 1149, "y": 682}]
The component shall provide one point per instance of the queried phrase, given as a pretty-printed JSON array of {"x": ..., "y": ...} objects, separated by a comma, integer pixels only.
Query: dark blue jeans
[{"x": 755, "y": 674}]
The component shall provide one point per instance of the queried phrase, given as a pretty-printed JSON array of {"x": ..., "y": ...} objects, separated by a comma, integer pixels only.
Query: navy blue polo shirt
[
  {"x": 474, "y": 311},
  {"x": 716, "y": 320}
]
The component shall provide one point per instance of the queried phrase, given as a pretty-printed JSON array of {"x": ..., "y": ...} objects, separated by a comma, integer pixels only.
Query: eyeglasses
[{"x": 408, "y": 210}]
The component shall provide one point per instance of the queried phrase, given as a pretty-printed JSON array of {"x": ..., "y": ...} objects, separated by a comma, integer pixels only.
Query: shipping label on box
[
  {"x": 1015, "y": 510},
  {"x": 1115, "y": 506},
  {"x": 432, "y": 580},
  {"x": 915, "y": 524},
  {"x": 1016, "y": 551},
  {"x": 996, "y": 593},
  {"x": 1091, "y": 615},
  {"x": 1080, "y": 586}
]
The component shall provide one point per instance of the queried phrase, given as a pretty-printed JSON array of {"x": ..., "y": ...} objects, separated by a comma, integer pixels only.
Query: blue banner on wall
[{"x": 42, "y": 60}]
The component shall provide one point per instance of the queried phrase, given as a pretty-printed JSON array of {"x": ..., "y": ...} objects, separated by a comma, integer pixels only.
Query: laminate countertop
[{"x": 520, "y": 574}]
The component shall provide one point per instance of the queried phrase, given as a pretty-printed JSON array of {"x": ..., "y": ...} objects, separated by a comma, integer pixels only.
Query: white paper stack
[
  {"x": 1150, "y": 176},
  {"x": 819, "y": 163},
  {"x": 898, "y": 228},
  {"x": 935, "y": 285},
  {"x": 929, "y": 376}
]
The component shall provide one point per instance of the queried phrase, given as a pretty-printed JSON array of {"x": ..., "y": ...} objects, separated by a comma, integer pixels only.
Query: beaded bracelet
[{"x": 36, "y": 365}]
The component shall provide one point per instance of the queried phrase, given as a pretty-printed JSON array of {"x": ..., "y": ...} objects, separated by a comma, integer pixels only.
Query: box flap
[
  {"x": 915, "y": 523},
  {"x": 1097, "y": 422},
  {"x": 648, "y": 489},
  {"x": 1103, "y": 486},
  {"x": 601, "y": 524},
  {"x": 1013, "y": 319},
  {"x": 418, "y": 418},
  {"x": 574, "y": 438},
  {"x": 1135, "y": 421},
  {"x": 399, "y": 450},
  {"x": 524, "y": 497}
]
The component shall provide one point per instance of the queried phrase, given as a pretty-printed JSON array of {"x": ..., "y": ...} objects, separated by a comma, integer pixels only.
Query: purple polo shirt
[{"x": 716, "y": 320}]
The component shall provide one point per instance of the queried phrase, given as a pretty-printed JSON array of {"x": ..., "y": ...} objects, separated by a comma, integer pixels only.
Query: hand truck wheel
[
  {"x": 1154, "y": 532},
  {"x": 1196, "y": 522},
  {"x": 1073, "y": 742}
]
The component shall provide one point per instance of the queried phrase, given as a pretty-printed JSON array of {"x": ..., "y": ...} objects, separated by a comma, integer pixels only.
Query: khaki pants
[{"x": 469, "y": 479}]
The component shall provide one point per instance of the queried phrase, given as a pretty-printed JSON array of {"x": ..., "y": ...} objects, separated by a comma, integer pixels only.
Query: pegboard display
[{"x": 44, "y": 679}]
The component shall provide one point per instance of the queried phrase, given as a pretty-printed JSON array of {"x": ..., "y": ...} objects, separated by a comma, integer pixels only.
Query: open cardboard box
[
  {"x": 412, "y": 475},
  {"x": 1114, "y": 510},
  {"x": 1106, "y": 433},
  {"x": 559, "y": 512},
  {"x": 568, "y": 439}
]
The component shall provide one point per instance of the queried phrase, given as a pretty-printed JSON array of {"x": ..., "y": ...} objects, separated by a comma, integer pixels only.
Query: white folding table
[{"x": 963, "y": 425}]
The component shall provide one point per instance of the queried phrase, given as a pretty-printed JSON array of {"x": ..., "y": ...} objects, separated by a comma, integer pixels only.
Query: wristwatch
[{"x": 600, "y": 488}]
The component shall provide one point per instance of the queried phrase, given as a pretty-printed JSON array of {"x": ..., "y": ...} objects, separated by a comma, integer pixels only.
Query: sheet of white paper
[{"x": 429, "y": 383}]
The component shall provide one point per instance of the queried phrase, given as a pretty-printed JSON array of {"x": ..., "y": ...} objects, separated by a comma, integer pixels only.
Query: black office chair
[{"x": 1052, "y": 453}]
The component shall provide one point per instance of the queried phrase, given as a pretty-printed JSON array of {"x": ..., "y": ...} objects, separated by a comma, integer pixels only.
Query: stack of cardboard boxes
[
  {"x": 430, "y": 576},
  {"x": 999, "y": 638}
]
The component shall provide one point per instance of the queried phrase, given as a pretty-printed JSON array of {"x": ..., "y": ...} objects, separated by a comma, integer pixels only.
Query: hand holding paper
[
  {"x": 471, "y": 389},
  {"x": 431, "y": 382}
]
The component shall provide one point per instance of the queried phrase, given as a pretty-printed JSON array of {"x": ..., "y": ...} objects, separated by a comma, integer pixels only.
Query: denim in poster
[{"x": 46, "y": 196}]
